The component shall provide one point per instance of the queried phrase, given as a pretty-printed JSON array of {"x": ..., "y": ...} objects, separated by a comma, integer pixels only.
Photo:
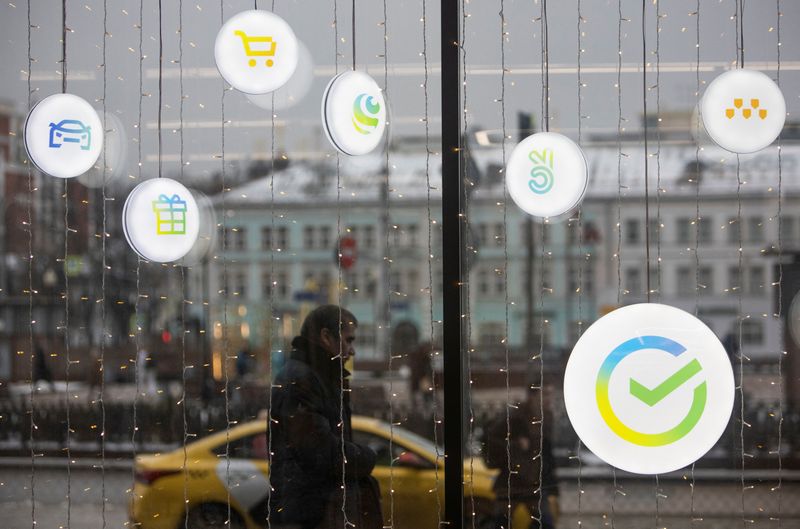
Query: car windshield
[{"x": 426, "y": 444}]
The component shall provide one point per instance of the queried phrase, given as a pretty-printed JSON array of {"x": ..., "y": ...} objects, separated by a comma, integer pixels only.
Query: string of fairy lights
[
  {"x": 779, "y": 284},
  {"x": 697, "y": 219},
  {"x": 579, "y": 103}
]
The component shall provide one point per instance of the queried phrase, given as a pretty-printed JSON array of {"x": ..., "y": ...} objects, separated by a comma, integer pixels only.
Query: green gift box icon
[{"x": 170, "y": 215}]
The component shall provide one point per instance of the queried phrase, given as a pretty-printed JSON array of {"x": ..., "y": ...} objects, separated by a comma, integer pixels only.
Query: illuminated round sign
[
  {"x": 161, "y": 220},
  {"x": 649, "y": 388},
  {"x": 256, "y": 51},
  {"x": 63, "y": 135},
  {"x": 743, "y": 111},
  {"x": 354, "y": 113},
  {"x": 546, "y": 174}
]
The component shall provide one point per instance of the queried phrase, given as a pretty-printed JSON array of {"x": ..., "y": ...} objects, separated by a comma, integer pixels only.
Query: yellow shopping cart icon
[{"x": 248, "y": 41}]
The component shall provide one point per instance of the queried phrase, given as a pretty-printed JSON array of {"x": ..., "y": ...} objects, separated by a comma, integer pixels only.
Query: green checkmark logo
[{"x": 651, "y": 397}]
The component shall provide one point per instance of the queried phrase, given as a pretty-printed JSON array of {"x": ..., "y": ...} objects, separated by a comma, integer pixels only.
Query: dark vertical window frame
[{"x": 452, "y": 241}]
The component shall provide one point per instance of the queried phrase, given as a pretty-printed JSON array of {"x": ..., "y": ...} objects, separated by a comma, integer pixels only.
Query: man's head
[{"x": 332, "y": 329}]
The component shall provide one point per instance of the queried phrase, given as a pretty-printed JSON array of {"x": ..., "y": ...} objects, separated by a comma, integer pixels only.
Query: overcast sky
[{"x": 249, "y": 134}]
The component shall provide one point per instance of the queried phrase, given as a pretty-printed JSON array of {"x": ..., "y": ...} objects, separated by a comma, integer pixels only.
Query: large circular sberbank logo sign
[{"x": 649, "y": 388}]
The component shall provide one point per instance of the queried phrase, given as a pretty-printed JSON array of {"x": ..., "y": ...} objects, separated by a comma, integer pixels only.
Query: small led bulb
[
  {"x": 63, "y": 135},
  {"x": 743, "y": 111},
  {"x": 256, "y": 51},
  {"x": 161, "y": 220},
  {"x": 547, "y": 175},
  {"x": 354, "y": 113}
]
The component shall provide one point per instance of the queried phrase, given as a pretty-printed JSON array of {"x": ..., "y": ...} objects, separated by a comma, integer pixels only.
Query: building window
[
  {"x": 283, "y": 238},
  {"x": 733, "y": 228},
  {"x": 704, "y": 230},
  {"x": 752, "y": 332},
  {"x": 733, "y": 278},
  {"x": 633, "y": 281},
  {"x": 632, "y": 233},
  {"x": 266, "y": 238},
  {"x": 683, "y": 229},
  {"x": 754, "y": 284},
  {"x": 705, "y": 276},
  {"x": 498, "y": 235},
  {"x": 308, "y": 237},
  {"x": 325, "y": 237},
  {"x": 368, "y": 237},
  {"x": 685, "y": 281},
  {"x": 755, "y": 229},
  {"x": 491, "y": 334},
  {"x": 413, "y": 230},
  {"x": 234, "y": 239}
]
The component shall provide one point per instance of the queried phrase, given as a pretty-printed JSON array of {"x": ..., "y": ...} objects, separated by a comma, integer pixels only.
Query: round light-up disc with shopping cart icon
[
  {"x": 256, "y": 51},
  {"x": 161, "y": 220},
  {"x": 743, "y": 111},
  {"x": 63, "y": 135},
  {"x": 354, "y": 113},
  {"x": 547, "y": 175}
]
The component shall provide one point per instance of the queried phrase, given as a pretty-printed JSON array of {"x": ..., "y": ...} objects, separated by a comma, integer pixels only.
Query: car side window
[
  {"x": 248, "y": 447},
  {"x": 379, "y": 445}
]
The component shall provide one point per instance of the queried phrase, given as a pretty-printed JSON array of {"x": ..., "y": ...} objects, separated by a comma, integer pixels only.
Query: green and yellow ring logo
[
  {"x": 604, "y": 404},
  {"x": 364, "y": 119}
]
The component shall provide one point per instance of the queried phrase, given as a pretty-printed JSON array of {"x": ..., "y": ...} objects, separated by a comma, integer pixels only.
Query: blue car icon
[{"x": 70, "y": 131}]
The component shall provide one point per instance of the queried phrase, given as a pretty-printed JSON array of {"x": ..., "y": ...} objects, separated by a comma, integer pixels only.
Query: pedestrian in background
[{"x": 321, "y": 479}]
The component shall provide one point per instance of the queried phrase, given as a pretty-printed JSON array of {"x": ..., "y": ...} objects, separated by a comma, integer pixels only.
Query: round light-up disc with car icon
[
  {"x": 649, "y": 388},
  {"x": 63, "y": 135},
  {"x": 256, "y": 51},
  {"x": 547, "y": 175},
  {"x": 743, "y": 111},
  {"x": 161, "y": 220},
  {"x": 354, "y": 113}
]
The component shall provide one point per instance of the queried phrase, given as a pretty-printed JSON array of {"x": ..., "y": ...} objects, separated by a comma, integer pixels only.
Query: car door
[
  {"x": 413, "y": 479},
  {"x": 245, "y": 477}
]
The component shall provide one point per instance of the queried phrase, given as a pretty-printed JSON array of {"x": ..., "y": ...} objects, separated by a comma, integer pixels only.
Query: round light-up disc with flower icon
[
  {"x": 161, "y": 220},
  {"x": 354, "y": 113},
  {"x": 63, "y": 135},
  {"x": 649, "y": 388},
  {"x": 256, "y": 51},
  {"x": 743, "y": 111},
  {"x": 546, "y": 175}
]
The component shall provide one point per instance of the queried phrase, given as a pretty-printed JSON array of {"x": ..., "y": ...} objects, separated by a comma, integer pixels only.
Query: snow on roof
[{"x": 361, "y": 178}]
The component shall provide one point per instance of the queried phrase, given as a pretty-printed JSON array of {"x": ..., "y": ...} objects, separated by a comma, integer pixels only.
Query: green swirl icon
[
  {"x": 364, "y": 112},
  {"x": 542, "y": 172}
]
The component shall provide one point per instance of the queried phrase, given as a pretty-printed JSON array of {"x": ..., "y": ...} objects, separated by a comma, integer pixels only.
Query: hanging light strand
[
  {"x": 646, "y": 152},
  {"x": 505, "y": 369},
  {"x": 779, "y": 314},
  {"x": 428, "y": 187},
  {"x": 68, "y": 436},
  {"x": 657, "y": 234},
  {"x": 160, "y": 84},
  {"x": 469, "y": 257},
  {"x": 577, "y": 455},
  {"x": 697, "y": 217},
  {"x": 387, "y": 264},
  {"x": 227, "y": 291},
  {"x": 353, "y": 33},
  {"x": 31, "y": 350},
  {"x": 104, "y": 265}
]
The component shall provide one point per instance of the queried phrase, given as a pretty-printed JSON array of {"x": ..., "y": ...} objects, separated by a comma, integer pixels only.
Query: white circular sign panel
[
  {"x": 649, "y": 388},
  {"x": 256, "y": 51},
  {"x": 547, "y": 174},
  {"x": 63, "y": 135},
  {"x": 354, "y": 113},
  {"x": 743, "y": 111},
  {"x": 161, "y": 220}
]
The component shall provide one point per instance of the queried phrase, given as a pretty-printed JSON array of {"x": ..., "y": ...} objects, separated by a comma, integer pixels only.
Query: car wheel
[{"x": 213, "y": 516}]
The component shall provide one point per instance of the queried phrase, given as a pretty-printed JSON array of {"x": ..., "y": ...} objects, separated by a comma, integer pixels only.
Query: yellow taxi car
[{"x": 211, "y": 481}]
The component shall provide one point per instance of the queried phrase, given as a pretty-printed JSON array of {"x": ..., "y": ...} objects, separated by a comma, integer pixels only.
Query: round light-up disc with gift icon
[
  {"x": 63, "y": 135},
  {"x": 161, "y": 220},
  {"x": 354, "y": 113},
  {"x": 256, "y": 51},
  {"x": 546, "y": 174},
  {"x": 743, "y": 111},
  {"x": 649, "y": 388}
]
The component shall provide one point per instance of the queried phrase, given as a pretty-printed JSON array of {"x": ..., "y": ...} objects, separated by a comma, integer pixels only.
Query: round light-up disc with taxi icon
[
  {"x": 354, "y": 113},
  {"x": 743, "y": 111},
  {"x": 161, "y": 220},
  {"x": 256, "y": 51},
  {"x": 649, "y": 388},
  {"x": 547, "y": 175},
  {"x": 63, "y": 135}
]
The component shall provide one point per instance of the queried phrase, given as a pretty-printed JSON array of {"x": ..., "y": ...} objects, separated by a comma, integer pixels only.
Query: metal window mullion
[{"x": 453, "y": 243}]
